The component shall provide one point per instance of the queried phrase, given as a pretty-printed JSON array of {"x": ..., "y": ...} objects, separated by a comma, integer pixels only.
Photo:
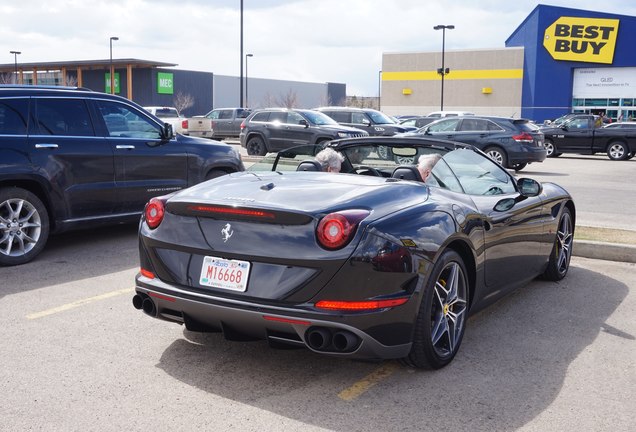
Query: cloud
[{"x": 300, "y": 40}]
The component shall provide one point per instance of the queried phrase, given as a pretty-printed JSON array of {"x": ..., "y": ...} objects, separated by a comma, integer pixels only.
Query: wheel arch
[
  {"x": 463, "y": 249},
  {"x": 36, "y": 188}
]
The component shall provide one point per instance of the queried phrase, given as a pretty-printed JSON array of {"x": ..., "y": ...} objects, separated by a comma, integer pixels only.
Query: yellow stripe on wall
[{"x": 454, "y": 75}]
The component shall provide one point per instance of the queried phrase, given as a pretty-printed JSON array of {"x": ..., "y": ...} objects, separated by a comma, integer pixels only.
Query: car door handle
[
  {"x": 44, "y": 145},
  {"x": 125, "y": 147}
]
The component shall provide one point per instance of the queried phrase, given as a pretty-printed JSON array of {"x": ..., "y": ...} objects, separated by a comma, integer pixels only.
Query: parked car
[
  {"x": 418, "y": 122},
  {"x": 372, "y": 266},
  {"x": 226, "y": 122},
  {"x": 512, "y": 142},
  {"x": 440, "y": 114},
  {"x": 370, "y": 120},
  {"x": 274, "y": 129},
  {"x": 172, "y": 116},
  {"x": 84, "y": 159},
  {"x": 584, "y": 135}
]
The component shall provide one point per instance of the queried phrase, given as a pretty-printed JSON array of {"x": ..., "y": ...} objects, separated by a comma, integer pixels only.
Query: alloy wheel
[
  {"x": 564, "y": 239},
  {"x": 20, "y": 227},
  {"x": 449, "y": 309}
]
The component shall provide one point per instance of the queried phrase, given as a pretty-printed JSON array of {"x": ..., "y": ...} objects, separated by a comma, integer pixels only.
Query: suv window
[
  {"x": 260, "y": 117},
  {"x": 278, "y": 116},
  {"x": 13, "y": 115},
  {"x": 65, "y": 117},
  {"x": 359, "y": 118},
  {"x": 475, "y": 124},
  {"x": 340, "y": 116},
  {"x": 225, "y": 114},
  {"x": 294, "y": 118},
  {"x": 449, "y": 125},
  {"x": 242, "y": 113},
  {"x": 122, "y": 121}
]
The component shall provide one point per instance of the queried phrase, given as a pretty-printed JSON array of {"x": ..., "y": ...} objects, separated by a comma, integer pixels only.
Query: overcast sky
[{"x": 316, "y": 41}]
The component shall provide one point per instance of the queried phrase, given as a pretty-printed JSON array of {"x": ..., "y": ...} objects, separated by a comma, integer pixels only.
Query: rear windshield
[
  {"x": 526, "y": 126},
  {"x": 166, "y": 112}
]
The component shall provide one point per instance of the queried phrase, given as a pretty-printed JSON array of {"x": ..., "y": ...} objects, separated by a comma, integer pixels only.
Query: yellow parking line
[
  {"x": 368, "y": 381},
  {"x": 78, "y": 303}
]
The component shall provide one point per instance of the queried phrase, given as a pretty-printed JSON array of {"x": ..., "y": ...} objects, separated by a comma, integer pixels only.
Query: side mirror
[
  {"x": 366, "y": 122},
  {"x": 564, "y": 127},
  {"x": 167, "y": 133},
  {"x": 303, "y": 123},
  {"x": 529, "y": 187}
]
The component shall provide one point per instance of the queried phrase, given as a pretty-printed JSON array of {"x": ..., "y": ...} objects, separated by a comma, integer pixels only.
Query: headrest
[
  {"x": 407, "y": 172},
  {"x": 309, "y": 165}
]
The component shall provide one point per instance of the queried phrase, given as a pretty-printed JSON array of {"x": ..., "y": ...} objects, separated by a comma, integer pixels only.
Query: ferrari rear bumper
[{"x": 328, "y": 333}]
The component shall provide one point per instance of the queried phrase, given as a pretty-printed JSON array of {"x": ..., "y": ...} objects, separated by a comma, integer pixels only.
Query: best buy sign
[{"x": 582, "y": 39}]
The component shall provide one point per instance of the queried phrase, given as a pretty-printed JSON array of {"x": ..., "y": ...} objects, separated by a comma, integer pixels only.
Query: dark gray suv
[
  {"x": 275, "y": 129},
  {"x": 71, "y": 158}
]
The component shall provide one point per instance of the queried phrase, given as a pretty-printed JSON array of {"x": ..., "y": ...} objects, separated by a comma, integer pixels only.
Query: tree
[
  {"x": 289, "y": 99},
  {"x": 7, "y": 78},
  {"x": 183, "y": 101}
]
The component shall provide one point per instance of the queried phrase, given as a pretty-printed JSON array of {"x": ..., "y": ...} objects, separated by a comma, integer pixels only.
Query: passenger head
[
  {"x": 330, "y": 160},
  {"x": 357, "y": 154},
  {"x": 426, "y": 164}
]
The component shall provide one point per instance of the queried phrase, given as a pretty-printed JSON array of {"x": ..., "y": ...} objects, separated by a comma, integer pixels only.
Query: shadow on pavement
[
  {"x": 73, "y": 256},
  {"x": 511, "y": 367}
]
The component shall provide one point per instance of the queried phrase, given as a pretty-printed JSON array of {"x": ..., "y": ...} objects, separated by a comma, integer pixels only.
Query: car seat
[
  {"x": 309, "y": 165},
  {"x": 407, "y": 172}
]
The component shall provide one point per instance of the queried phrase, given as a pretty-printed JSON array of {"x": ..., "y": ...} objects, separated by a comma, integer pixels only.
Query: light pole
[
  {"x": 112, "y": 71},
  {"x": 15, "y": 57},
  {"x": 247, "y": 100},
  {"x": 379, "y": 90},
  {"x": 443, "y": 70},
  {"x": 241, "y": 56}
]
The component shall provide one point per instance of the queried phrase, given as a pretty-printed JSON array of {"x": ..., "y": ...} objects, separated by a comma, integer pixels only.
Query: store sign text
[{"x": 582, "y": 39}]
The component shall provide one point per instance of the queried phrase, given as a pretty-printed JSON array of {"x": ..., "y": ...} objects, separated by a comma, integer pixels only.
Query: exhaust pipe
[
  {"x": 138, "y": 301},
  {"x": 345, "y": 341},
  {"x": 149, "y": 307},
  {"x": 318, "y": 338}
]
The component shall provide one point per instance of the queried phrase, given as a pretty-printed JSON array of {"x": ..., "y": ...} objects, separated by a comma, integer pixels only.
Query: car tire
[
  {"x": 519, "y": 166},
  {"x": 441, "y": 320},
  {"x": 618, "y": 150},
  {"x": 550, "y": 149},
  {"x": 559, "y": 261},
  {"x": 256, "y": 146},
  {"x": 24, "y": 226},
  {"x": 498, "y": 155}
]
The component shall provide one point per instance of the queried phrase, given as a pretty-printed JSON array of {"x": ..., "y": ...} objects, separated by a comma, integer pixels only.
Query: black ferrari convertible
[{"x": 372, "y": 262}]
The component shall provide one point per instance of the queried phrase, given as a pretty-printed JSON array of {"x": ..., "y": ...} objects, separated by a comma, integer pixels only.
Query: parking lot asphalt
[{"x": 599, "y": 247}]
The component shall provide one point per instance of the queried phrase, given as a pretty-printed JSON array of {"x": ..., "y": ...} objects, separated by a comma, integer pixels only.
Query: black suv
[
  {"x": 373, "y": 121},
  {"x": 274, "y": 129},
  {"x": 513, "y": 142},
  {"x": 72, "y": 158}
]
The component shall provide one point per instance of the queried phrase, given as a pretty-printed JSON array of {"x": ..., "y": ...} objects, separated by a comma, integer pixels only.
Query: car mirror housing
[
  {"x": 529, "y": 187},
  {"x": 167, "y": 133},
  {"x": 303, "y": 123}
]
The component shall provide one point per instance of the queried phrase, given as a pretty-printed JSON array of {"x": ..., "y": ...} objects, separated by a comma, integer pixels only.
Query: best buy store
[{"x": 558, "y": 60}]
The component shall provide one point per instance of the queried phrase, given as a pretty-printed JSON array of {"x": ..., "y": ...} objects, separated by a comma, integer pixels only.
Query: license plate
[{"x": 225, "y": 274}]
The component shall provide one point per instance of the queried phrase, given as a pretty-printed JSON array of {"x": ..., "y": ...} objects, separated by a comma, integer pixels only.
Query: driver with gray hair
[
  {"x": 330, "y": 160},
  {"x": 426, "y": 164}
]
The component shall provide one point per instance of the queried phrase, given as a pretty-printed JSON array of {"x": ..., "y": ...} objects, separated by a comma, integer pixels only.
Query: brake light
[
  {"x": 337, "y": 229},
  {"x": 523, "y": 137},
  {"x": 147, "y": 273},
  {"x": 184, "y": 124},
  {"x": 243, "y": 125},
  {"x": 154, "y": 212},
  {"x": 360, "y": 305},
  {"x": 231, "y": 211}
]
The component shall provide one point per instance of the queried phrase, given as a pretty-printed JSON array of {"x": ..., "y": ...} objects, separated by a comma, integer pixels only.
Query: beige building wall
[{"x": 486, "y": 82}]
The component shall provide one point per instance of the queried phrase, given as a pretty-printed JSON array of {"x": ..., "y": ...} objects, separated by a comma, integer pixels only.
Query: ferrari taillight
[
  {"x": 154, "y": 212},
  {"x": 337, "y": 229}
]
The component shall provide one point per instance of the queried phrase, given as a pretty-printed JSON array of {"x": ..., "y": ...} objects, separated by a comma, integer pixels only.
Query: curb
[{"x": 604, "y": 251}]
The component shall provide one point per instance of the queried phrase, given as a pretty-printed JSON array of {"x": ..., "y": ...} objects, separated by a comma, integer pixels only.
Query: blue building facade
[{"x": 577, "y": 61}]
